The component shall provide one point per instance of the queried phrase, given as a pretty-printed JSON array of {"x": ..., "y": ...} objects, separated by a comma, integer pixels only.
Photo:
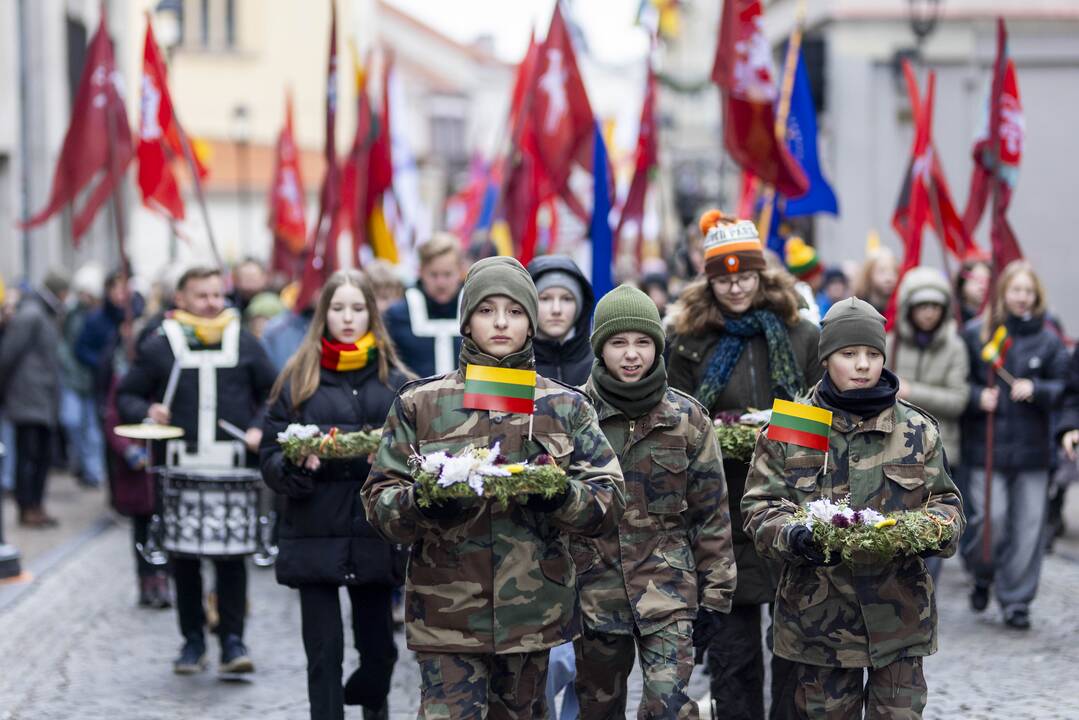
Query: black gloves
[
  {"x": 800, "y": 539},
  {"x": 298, "y": 480},
  {"x": 447, "y": 509},
  {"x": 932, "y": 552},
  {"x": 705, "y": 627},
  {"x": 540, "y": 504}
]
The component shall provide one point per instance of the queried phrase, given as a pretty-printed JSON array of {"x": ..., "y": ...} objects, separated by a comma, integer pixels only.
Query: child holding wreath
[
  {"x": 491, "y": 586},
  {"x": 843, "y": 615}
]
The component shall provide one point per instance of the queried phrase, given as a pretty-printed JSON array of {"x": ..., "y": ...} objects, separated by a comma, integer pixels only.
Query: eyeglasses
[{"x": 745, "y": 281}]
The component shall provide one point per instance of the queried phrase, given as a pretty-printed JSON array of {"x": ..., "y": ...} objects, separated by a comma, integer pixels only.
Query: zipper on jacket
[{"x": 629, "y": 436}]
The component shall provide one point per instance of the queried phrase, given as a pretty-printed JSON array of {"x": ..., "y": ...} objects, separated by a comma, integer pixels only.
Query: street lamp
[
  {"x": 923, "y": 16},
  {"x": 241, "y": 136}
]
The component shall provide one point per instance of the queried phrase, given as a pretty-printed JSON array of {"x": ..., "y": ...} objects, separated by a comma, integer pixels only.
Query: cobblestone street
[{"x": 75, "y": 646}]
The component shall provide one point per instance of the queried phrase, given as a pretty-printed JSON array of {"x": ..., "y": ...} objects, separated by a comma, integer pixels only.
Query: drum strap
[
  {"x": 443, "y": 331},
  {"x": 209, "y": 451}
]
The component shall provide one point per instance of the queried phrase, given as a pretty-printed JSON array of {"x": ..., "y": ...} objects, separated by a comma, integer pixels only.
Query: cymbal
[{"x": 149, "y": 431}]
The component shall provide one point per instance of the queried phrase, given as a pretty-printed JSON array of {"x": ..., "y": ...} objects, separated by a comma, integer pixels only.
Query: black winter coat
[
  {"x": 324, "y": 536},
  {"x": 1021, "y": 432},
  {"x": 242, "y": 390},
  {"x": 418, "y": 353},
  {"x": 569, "y": 362},
  {"x": 1069, "y": 410}
]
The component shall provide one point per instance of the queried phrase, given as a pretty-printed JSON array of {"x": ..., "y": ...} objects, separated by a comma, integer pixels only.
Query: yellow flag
[{"x": 380, "y": 237}]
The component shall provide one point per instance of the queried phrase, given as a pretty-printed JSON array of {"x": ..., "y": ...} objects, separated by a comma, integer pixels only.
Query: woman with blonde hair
[
  {"x": 738, "y": 343},
  {"x": 345, "y": 375},
  {"x": 878, "y": 278},
  {"x": 1017, "y": 369}
]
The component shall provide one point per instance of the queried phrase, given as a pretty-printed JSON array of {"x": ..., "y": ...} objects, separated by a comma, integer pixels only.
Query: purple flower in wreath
[
  {"x": 856, "y": 519},
  {"x": 501, "y": 459},
  {"x": 543, "y": 459},
  {"x": 840, "y": 521}
]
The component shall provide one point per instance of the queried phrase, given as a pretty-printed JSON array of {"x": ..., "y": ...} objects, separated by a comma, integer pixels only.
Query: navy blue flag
[
  {"x": 802, "y": 142},
  {"x": 599, "y": 231}
]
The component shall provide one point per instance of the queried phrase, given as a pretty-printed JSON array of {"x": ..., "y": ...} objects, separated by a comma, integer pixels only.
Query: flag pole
[
  {"x": 189, "y": 156},
  {"x": 790, "y": 64}
]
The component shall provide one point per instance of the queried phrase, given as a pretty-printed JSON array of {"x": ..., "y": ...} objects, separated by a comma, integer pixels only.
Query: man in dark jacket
[
  {"x": 566, "y": 301},
  {"x": 423, "y": 324},
  {"x": 1067, "y": 431},
  {"x": 30, "y": 388},
  {"x": 225, "y": 376}
]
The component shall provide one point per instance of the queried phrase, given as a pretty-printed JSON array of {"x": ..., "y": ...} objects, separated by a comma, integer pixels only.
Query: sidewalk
[{"x": 80, "y": 511}]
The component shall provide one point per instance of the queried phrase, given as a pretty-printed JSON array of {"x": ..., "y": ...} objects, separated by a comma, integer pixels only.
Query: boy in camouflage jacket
[
  {"x": 490, "y": 589},
  {"x": 839, "y": 621},
  {"x": 671, "y": 559}
]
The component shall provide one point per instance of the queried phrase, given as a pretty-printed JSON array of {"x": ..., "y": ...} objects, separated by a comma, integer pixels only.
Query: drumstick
[
  {"x": 170, "y": 387},
  {"x": 232, "y": 430}
]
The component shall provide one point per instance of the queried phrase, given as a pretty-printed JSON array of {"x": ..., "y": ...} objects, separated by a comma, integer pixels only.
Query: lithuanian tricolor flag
[
  {"x": 500, "y": 389},
  {"x": 802, "y": 425},
  {"x": 996, "y": 349}
]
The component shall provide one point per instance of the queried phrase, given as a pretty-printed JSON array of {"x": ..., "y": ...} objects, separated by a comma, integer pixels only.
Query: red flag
[
  {"x": 355, "y": 173},
  {"x": 381, "y": 153},
  {"x": 943, "y": 215},
  {"x": 287, "y": 222},
  {"x": 521, "y": 86},
  {"x": 160, "y": 136},
  {"x": 743, "y": 71},
  {"x": 647, "y": 159},
  {"x": 98, "y": 140},
  {"x": 997, "y": 152},
  {"x": 322, "y": 251},
  {"x": 916, "y": 190},
  {"x": 561, "y": 116}
]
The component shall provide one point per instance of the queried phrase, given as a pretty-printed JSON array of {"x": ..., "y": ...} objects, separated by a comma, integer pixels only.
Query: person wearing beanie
[
  {"x": 802, "y": 262},
  {"x": 886, "y": 456},
  {"x": 491, "y": 587},
  {"x": 565, "y": 316},
  {"x": 738, "y": 343},
  {"x": 654, "y": 584}
]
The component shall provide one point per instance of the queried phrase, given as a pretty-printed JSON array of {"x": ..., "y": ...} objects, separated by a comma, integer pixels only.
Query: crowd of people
[{"x": 658, "y": 547}]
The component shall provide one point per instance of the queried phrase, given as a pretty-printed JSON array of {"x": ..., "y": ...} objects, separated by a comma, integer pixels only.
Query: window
[
  {"x": 230, "y": 24},
  {"x": 204, "y": 23}
]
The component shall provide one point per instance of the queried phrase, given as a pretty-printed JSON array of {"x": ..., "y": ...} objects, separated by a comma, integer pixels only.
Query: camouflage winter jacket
[
  {"x": 673, "y": 548},
  {"x": 498, "y": 579},
  {"x": 865, "y": 615}
]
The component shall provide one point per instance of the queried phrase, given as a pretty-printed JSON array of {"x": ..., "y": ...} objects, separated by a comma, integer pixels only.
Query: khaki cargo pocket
[
  {"x": 452, "y": 444},
  {"x": 802, "y": 472},
  {"x": 667, "y": 484},
  {"x": 679, "y": 557},
  {"x": 558, "y": 445},
  {"x": 585, "y": 557},
  {"x": 909, "y": 476},
  {"x": 558, "y": 569}
]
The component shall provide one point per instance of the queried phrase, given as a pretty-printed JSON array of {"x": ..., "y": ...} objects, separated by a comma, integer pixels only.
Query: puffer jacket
[
  {"x": 1021, "y": 430},
  {"x": 570, "y": 361},
  {"x": 934, "y": 375},
  {"x": 324, "y": 533},
  {"x": 749, "y": 387}
]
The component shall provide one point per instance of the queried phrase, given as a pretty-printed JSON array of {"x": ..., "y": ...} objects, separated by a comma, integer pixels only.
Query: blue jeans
[
  {"x": 86, "y": 444},
  {"x": 561, "y": 671}
]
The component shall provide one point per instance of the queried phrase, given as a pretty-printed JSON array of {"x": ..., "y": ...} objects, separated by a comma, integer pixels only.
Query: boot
[{"x": 234, "y": 657}]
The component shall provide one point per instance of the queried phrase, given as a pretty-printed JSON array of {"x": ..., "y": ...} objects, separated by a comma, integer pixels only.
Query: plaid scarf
[
  {"x": 344, "y": 357},
  {"x": 787, "y": 378}
]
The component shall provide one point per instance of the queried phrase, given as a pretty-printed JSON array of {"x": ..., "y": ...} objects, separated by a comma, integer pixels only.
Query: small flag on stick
[
  {"x": 802, "y": 425},
  {"x": 500, "y": 389},
  {"x": 995, "y": 352}
]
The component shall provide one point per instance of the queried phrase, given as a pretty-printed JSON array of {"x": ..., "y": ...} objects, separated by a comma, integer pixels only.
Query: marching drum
[{"x": 210, "y": 512}]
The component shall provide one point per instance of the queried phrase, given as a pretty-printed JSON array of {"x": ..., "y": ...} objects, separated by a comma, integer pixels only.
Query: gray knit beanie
[
  {"x": 625, "y": 309},
  {"x": 498, "y": 276},
  {"x": 851, "y": 322},
  {"x": 561, "y": 279}
]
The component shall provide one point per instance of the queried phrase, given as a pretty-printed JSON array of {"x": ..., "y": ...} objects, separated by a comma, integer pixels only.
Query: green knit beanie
[
  {"x": 498, "y": 276},
  {"x": 625, "y": 309},
  {"x": 851, "y": 322}
]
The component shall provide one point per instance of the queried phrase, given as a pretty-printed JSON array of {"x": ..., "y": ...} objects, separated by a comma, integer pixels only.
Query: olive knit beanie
[
  {"x": 498, "y": 276},
  {"x": 625, "y": 309},
  {"x": 851, "y": 322}
]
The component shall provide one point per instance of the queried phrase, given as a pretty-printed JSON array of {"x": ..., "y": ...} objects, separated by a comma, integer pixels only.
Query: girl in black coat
[
  {"x": 1020, "y": 401},
  {"x": 344, "y": 375},
  {"x": 566, "y": 302}
]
